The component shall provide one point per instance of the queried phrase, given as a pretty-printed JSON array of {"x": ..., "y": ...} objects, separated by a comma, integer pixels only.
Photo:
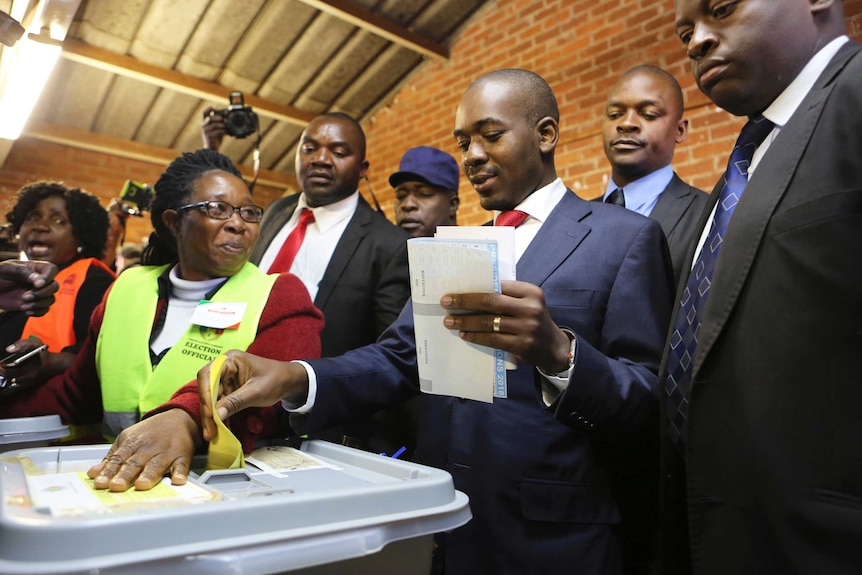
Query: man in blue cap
[{"x": 426, "y": 191}]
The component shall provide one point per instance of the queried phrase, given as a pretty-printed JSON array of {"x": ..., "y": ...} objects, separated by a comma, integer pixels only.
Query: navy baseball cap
[{"x": 429, "y": 165}]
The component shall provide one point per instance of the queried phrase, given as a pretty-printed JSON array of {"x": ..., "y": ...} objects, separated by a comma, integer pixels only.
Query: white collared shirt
[
  {"x": 321, "y": 237},
  {"x": 538, "y": 205},
  {"x": 781, "y": 110}
]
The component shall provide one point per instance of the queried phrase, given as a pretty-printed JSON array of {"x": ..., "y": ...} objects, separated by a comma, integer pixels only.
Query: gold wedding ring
[{"x": 497, "y": 321}]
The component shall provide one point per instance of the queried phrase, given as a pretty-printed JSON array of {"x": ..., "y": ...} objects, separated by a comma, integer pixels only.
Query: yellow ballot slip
[{"x": 225, "y": 451}]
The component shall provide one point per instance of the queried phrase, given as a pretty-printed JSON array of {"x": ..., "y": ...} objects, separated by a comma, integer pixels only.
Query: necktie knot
[
  {"x": 511, "y": 218},
  {"x": 617, "y": 197},
  {"x": 306, "y": 216},
  {"x": 752, "y": 135}
]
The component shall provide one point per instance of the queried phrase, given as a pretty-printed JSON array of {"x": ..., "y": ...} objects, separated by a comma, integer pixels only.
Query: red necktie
[
  {"x": 511, "y": 218},
  {"x": 291, "y": 246}
]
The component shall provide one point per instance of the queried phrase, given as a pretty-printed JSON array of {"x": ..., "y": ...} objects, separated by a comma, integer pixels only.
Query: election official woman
[{"x": 195, "y": 296}]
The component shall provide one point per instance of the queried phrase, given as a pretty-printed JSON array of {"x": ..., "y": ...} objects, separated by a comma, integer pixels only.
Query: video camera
[
  {"x": 239, "y": 120},
  {"x": 136, "y": 198}
]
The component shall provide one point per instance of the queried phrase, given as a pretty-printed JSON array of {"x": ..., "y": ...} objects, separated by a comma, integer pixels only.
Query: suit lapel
[
  {"x": 277, "y": 214},
  {"x": 670, "y": 205},
  {"x": 763, "y": 193},
  {"x": 563, "y": 230},
  {"x": 357, "y": 228}
]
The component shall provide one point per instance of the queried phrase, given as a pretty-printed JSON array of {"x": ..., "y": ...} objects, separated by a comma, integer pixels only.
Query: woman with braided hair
[{"x": 194, "y": 297}]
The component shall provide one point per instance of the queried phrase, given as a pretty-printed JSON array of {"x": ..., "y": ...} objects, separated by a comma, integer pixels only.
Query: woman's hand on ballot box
[
  {"x": 144, "y": 452},
  {"x": 167, "y": 441}
]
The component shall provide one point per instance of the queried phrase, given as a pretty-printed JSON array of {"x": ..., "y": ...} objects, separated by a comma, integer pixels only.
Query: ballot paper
[
  {"x": 506, "y": 259},
  {"x": 503, "y": 235},
  {"x": 72, "y": 493},
  {"x": 225, "y": 450},
  {"x": 279, "y": 459},
  {"x": 448, "y": 365}
]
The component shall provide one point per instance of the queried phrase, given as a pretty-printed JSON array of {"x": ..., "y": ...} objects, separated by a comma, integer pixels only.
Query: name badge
[{"x": 219, "y": 315}]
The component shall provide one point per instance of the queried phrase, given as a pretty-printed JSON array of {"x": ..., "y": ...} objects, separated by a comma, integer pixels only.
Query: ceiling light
[
  {"x": 32, "y": 64},
  {"x": 26, "y": 67}
]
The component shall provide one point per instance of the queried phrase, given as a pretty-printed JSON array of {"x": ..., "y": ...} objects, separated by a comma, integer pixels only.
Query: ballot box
[
  {"x": 21, "y": 432},
  {"x": 317, "y": 509}
]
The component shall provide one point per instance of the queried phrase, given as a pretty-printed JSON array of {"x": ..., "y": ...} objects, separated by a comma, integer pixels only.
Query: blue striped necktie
[{"x": 683, "y": 341}]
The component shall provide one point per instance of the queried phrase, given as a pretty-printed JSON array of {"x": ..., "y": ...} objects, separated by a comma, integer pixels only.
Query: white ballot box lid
[
  {"x": 20, "y": 432},
  {"x": 289, "y": 510}
]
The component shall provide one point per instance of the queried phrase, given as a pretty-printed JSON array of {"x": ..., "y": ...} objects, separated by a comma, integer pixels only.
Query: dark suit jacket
[
  {"x": 678, "y": 210},
  {"x": 636, "y": 464},
  {"x": 774, "y": 435},
  {"x": 362, "y": 291},
  {"x": 541, "y": 501},
  {"x": 366, "y": 282}
]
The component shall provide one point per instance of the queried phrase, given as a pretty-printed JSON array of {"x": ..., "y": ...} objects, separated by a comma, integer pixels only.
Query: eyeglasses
[{"x": 224, "y": 210}]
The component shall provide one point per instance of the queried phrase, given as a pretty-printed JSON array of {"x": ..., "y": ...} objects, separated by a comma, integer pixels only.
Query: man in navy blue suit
[{"x": 586, "y": 321}]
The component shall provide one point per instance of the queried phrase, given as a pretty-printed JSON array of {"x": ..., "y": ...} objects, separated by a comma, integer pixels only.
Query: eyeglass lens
[{"x": 224, "y": 210}]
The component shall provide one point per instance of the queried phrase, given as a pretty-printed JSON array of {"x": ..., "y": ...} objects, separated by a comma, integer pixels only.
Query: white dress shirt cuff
[
  {"x": 312, "y": 392},
  {"x": 555, "y": 384}
]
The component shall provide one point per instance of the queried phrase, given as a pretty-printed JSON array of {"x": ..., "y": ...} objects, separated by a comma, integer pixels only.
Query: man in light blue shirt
[{"x": 642, "y": 125}]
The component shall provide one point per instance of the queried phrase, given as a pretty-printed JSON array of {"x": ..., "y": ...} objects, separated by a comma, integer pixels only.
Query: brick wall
[{"x": 580, "y": 47}]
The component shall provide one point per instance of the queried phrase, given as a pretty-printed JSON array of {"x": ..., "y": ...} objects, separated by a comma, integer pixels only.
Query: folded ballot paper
[
  {"x": 225, "y": 450},
  {"x": 476, "y": 260}
]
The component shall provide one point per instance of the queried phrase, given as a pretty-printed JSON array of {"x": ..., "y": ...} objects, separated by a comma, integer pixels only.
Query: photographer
[
  {"x": 213, "y": 129},
  {"x": 117, "y": 217},
  {"x": 237, "y": 120}
]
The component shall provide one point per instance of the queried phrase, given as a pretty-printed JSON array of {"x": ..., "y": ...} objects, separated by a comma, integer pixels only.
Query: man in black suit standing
[
  {"x": 642, "y": 125},
  {"x": 352, "y": 260},
  {"x": 762, "y": 372}
]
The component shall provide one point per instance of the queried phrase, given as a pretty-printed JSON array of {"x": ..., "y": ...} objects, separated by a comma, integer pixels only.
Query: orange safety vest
[{"x": 56, "y": 328}]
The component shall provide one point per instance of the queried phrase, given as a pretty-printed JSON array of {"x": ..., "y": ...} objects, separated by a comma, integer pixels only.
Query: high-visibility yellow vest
[{"x": 130, "y": 385}]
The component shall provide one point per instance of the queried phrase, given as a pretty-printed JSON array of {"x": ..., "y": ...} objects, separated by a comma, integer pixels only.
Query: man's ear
[
  {"x": 454, "y": 202},
  {"x": 549, "y": 133},
  {"x": 681, "y": 131},
  {"x": 820, "y": 5}
]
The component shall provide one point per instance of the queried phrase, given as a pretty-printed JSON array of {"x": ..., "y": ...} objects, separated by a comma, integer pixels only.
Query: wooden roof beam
[
  {"x": 83, "y": 139},
  {"x": 380, "y": 26},
  {"x": 83, "y": 53}
]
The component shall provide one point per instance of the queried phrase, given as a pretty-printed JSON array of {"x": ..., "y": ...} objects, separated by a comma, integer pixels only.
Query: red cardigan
[{"x": 289, "y": 329}]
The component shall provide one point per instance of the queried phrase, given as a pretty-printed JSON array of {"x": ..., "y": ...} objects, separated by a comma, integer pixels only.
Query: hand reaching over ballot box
[{"x": 247, "y": 380}]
